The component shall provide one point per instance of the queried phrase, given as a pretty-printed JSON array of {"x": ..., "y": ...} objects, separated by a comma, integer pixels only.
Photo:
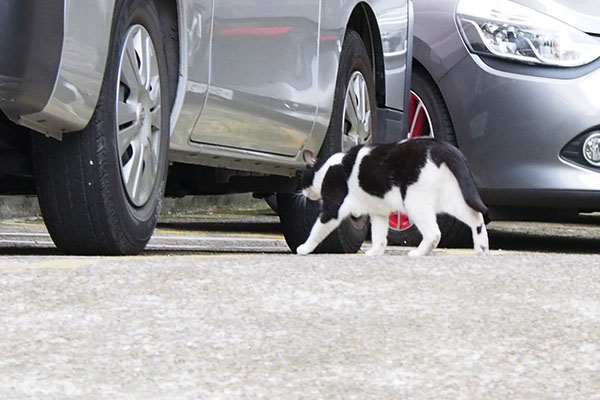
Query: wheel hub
[{"x": 140, "y": 114}]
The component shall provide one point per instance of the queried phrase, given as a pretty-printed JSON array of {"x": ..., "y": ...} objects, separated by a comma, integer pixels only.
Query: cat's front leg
[
  {"x": 318, "y": 233},
  {"x": 379, "y": 231},
  {"x": 424, "y": 219}
]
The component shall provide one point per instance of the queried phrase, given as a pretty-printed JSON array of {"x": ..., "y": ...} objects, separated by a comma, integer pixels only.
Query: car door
[{"x": 262, "y": 93}]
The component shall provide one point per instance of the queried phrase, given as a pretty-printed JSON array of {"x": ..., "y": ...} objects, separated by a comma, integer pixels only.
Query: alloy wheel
[
  {"x": 138, "y": 115},
  {"x": 357, "y": 113},
  {"x": 357, "y": 122}
]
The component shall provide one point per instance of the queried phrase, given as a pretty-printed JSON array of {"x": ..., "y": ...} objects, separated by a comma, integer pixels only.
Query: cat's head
[{"x": 310, "y": 187}]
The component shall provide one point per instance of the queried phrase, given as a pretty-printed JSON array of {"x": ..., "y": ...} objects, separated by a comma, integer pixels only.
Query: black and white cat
[{"x": 418, "y": 177}]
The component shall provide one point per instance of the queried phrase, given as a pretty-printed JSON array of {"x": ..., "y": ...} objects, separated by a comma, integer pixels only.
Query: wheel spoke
[
  {"x": 149, "y": 166},
  {"x": 153, "y": 71},
  {"x": 132, "y": 170},
  {"x": 154, "y": 155},
  {"x": 356, "y": 100},
  {"x": 348, "y": 142},
  {"x": 413, "y": 123},
  {"x": 156, "y": 118},
  {"x": 155, "y": 91},
  {"x": 126, "y": 138},
  {"x": 129, "y": 68},
  {"x": 366, "y": 126},
  {"x": 147, "y": 57},
  {"x": 140, "y": 56},
  {"x": 351, "y": 111},
  {"x": 362, "y": 90},
  {"x": 399, "y": 222},
  {"x": 419, "y": 120},
  {"x": 126, "y": 113}
]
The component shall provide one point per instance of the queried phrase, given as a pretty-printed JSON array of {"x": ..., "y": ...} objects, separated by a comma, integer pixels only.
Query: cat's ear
[{"x": 309, "y": 158}]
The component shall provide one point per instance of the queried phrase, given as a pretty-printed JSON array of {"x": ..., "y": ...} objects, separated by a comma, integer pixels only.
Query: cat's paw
[
  {"x": 482, "y": 250},
  {"x": 375, "y": 251},
  {"x": 415, "y": 253},
  {"x": 303, "y": 249}
]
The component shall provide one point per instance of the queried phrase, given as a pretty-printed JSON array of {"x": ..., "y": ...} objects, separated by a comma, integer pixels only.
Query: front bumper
[
  {"x": 31, "y": 39},
  {"x": 513, "y": 121}
]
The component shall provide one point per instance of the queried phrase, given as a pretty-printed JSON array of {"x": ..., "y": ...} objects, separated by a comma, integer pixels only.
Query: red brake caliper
[{"x": 397, "y": 220}]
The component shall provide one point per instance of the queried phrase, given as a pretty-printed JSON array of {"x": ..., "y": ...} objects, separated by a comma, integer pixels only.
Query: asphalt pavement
[{"x": 217, "y": 308}]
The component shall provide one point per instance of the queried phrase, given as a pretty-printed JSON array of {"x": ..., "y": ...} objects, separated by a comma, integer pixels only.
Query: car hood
[{"x": 582, "y": 14}]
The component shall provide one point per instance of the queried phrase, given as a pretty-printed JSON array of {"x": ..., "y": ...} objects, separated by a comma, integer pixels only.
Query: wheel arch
[
  {"x": 171, "y": 26},
  {"x": 363, "y": 21},
  {"x": 81, "y": 66},
  {"x": 419, "y": 68},
  {"x": 387, "y": 34}
]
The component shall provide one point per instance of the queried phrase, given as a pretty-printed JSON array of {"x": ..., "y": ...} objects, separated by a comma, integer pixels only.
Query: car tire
[
  {"x": 100, "y": 190},
  {"x": 425, "y": 92},
  {"x": 296, "y": 212}
]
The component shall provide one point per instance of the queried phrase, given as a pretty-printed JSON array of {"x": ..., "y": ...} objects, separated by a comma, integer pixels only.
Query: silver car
[
  {"x": 516, "y": 86},
  {"x": 109, "y": 105}
]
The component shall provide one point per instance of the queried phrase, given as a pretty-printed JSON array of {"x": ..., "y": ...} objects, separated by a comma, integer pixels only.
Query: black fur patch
[
  {"x": 479, "y": 228},
  {"x": 307, "y": 177},
  {"x": 333, "y": 192},
  {"x": 442, "y": 152},
  {"x": 350, "y": 159},
  {"x": 397, "y": 164}
]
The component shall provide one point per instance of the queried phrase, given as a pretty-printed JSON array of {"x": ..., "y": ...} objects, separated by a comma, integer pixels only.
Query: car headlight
[{"x": 505, "y": 29}]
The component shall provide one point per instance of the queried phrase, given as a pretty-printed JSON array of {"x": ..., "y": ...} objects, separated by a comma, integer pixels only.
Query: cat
[{"x": 420, "y": 177}]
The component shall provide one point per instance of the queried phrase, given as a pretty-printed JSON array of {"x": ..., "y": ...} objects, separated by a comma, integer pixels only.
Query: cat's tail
[{"x": 457, "y": 164}]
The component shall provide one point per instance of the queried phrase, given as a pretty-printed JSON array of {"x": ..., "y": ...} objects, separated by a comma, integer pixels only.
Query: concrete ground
[{"x": 217, "y": 308}]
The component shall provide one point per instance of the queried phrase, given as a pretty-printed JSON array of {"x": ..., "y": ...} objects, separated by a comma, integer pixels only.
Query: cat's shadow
[{"x": 518, "y": 241}]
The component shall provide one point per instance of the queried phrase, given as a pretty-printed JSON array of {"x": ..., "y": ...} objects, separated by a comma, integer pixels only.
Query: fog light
[{"x": 591, "y": 149}]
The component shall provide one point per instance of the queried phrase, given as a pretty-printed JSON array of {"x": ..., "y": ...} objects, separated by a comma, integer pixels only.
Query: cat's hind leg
[
  {"x": 425, "y": 220},
  {"x": 480, "y": 238},
  {"x": 379, "y": 231},
  {"x": 474, "y": 220}
]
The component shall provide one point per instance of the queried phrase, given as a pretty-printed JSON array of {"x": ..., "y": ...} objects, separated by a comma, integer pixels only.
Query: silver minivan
[{"x": 109, "y": 105}]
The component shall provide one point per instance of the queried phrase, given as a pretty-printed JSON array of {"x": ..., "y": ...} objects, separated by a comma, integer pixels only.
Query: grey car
[
  {"x": 109, "y": 105},
  {"x": 516, "y": 86}
]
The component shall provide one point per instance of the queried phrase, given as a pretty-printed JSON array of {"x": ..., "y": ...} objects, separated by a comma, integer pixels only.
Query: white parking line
[
  {"x": 216, "y": 238},
  {"x": 24, "y": 234},
  {"x": 38, "y": 242},
  {"x": 229, "y": 249},
  {"x": 159, "y": 237},
  {"x": 164, "y": 242}
]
